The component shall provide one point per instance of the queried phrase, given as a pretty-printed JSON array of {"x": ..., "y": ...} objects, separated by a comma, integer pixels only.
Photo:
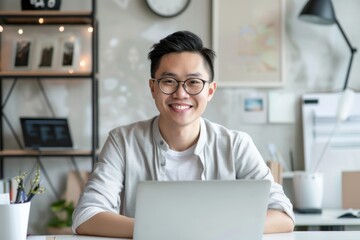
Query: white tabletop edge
[{"x": 306, "y": 235}]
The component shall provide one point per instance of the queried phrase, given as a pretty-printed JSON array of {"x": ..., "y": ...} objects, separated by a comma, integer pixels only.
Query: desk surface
[
  {"x": 327, "y": 235},
  {"x": 328, "y": 217}
]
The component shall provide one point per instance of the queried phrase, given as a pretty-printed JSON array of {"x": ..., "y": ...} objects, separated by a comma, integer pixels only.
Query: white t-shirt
[{"x": 182, "y": 166}]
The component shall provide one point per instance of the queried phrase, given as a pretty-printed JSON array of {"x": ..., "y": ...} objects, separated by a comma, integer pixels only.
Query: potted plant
[{"x": 61, "y": 222}]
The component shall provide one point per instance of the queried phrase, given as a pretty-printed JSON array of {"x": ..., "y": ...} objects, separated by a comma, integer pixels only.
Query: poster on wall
[{"x": 248, "y": 41}]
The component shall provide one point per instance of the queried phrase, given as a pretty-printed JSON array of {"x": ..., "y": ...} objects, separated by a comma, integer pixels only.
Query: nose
[{"x": 181, "y": 92}]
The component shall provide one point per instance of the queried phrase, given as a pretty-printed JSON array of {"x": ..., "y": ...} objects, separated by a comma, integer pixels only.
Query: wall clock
[{"x": 167, "y": 8}]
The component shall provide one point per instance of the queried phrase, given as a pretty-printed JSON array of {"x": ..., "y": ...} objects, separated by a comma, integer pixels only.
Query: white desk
[
  {"x": 317, "y": 235},
  {"x": 342, "y": 235},
  {"x": 328, "y": 217}
]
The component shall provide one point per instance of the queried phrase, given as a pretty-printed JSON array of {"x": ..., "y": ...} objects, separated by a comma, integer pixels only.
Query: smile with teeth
[{"x": 180, "y": 107}]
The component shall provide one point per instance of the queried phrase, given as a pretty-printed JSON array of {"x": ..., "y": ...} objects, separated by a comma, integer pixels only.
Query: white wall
[{"x": 316, "y": 60}]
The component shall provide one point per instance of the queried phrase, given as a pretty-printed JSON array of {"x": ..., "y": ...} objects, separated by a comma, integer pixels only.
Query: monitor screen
[{"x": 46, "y": 133}]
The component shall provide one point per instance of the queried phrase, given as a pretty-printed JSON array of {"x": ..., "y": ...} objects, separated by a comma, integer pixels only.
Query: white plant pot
[{"x": 308, "y": 191}]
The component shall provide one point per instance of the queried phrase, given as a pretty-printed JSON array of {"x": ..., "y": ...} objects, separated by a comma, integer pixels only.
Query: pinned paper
[{"x": 282, "y": 106}]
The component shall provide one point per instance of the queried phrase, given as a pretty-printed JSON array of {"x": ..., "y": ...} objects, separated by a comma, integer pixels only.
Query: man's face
[{"x": 181, "y": 109}]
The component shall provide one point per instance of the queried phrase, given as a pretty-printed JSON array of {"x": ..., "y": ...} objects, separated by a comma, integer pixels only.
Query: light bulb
[{"x": 345, "y": 105}]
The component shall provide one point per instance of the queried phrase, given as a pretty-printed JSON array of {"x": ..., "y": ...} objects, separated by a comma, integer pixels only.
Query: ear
[
  {"x": 211, "y": 91},
  {"x": 152, "y": 86}
]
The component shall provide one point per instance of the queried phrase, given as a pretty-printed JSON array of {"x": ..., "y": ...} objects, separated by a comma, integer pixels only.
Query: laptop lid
[
  {"x": 46, "y": 133},
  {"x": 201, "y": 210}
]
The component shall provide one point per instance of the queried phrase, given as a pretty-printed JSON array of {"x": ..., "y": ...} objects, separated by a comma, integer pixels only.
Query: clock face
[{"x": 168, "y": 8}]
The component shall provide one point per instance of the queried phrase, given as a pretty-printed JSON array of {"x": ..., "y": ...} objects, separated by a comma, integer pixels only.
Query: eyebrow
[{"x": 169, "y": 74}]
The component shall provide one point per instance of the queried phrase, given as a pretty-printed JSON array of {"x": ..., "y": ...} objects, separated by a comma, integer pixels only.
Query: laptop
[
  {"x": 201, "y": 210},
  {"x": 46, "y": 133}
]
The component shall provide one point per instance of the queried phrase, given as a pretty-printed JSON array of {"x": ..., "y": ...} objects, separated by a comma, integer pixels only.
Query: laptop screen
[{"x": 46, "y": 133}]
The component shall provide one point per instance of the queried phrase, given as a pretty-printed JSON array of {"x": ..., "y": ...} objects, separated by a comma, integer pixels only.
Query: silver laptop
[{"x": 201, "y": 210}]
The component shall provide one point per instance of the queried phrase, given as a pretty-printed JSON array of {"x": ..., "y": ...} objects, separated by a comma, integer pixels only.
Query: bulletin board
[{"x": 343, "y": 151}]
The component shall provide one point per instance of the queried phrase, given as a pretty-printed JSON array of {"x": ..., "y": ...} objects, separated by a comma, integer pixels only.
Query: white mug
[{"x": 14, "y": 220}]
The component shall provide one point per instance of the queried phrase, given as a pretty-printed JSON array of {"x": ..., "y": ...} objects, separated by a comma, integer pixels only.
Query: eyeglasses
[{"x": 169, "y": 85}]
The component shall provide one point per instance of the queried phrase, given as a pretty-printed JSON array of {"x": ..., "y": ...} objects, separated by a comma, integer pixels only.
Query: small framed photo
[
  {"x": 254, "y": 107},
  {"x": 22, "y": 50},
  {"x": 255, "y": 104},
  {"x": 69, "y": 53},
  {"x": 46, "y": 52}
]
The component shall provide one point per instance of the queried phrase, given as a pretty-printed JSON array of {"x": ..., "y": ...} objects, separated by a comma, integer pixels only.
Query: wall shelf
[
  {"x": 47, "y": 74},
  {"x": 83, "y": 20},
  {"x": 50, "y": 17},
  {"x": 45, "y": 153}
]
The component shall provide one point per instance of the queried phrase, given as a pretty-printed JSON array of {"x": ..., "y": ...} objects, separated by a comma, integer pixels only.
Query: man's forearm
[
  {"x": 277, "y": 222},
  {"x": 108, "y": 225},
  {"x": 114, "y": 225}
]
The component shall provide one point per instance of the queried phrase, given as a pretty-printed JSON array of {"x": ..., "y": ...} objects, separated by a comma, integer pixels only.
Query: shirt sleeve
[
  {"x": 279, "y": 201},
  {"x": 103, "y": 189},
  {"x": 251, "y": 165}
]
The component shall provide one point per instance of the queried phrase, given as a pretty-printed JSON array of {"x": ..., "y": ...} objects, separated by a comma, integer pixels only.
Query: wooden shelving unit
[{"x": 31, "y": 18}]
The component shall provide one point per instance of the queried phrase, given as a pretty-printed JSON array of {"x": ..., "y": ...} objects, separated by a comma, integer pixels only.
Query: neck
[{"x": 180, "y": 138}]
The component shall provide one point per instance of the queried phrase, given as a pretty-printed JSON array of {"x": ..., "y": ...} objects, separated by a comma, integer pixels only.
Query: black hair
[{"x": 181, "y": 41}]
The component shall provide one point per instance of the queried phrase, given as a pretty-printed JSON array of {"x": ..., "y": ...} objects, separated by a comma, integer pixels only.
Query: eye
[
  {"x": 194, "y": 81},
  {"x": 168, "y": 81}
]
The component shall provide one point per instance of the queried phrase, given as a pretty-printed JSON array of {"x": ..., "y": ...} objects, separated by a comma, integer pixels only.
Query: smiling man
[{"x": 178, "y": 144}]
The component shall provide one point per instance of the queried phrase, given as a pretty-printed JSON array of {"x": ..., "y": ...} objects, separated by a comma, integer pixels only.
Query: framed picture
[
  {"x": 46, "y": 52},
  {"x": 22, "y": 50},
  {"x": 248, "y": 41},
  {"x": 254, "y": 107},
  {"x": 69, "y": 53}
]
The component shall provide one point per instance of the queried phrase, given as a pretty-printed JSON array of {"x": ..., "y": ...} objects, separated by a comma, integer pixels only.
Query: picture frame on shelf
[
  {"x": 250, "y": 46},
  {"x": 69, "y": 53},
  {"x": 22, "y": 53},
  {"x": 46, "y": 53}
]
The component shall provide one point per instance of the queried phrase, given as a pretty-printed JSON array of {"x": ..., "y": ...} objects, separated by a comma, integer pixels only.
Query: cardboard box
[
  {"x": 276, "y": 170},
  {"x": 75, "y": 185},
  {"x": 350, "y": 189}
]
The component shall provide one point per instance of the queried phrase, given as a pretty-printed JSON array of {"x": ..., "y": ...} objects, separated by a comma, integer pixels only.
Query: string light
[
  {"x": 41, "y": 20},
  {"x": 1, "y": 28},
  {"x": 90, "y": 29},
  {"x": 20, "y": 31},
  {"x": 61, "y": 28}
]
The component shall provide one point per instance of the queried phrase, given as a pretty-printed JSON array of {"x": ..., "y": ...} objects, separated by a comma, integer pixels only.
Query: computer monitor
[{"x": 45, "y": 133}]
